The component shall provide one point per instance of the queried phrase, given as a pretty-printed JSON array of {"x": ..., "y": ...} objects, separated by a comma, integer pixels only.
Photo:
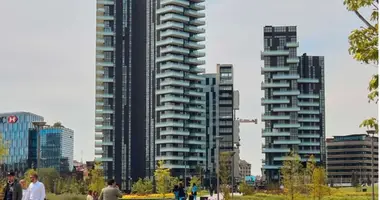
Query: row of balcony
[
  {"x": 181, "y": 158},
  {"x": 180, "y": 124},
  {"x": 180, "y": 141},
  {"x": 181, "y": 149}
]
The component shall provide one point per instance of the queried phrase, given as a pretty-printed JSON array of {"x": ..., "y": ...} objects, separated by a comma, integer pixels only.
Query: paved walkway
[{"x": 215, "y": 196}]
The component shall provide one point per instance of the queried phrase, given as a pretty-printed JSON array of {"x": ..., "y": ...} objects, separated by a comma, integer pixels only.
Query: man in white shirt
[{"x": 36, "y": 189}]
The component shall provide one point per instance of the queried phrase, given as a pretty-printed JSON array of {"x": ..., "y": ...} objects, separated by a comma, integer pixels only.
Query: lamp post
[
  {"x": 372, "y": 132},
  {"x": 38, "y": 126},
  {"x": 217, "y": 138},
  {"x": 235, "y": 147}
]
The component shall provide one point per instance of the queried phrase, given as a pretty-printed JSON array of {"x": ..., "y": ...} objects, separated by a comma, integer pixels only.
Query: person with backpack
[{"x": 194, "y": 190}]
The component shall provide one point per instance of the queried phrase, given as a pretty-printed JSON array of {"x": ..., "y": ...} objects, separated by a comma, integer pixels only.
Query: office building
[
  {"x": 57, "y": 148},
  {"x": 14, "y": 129},
  {"x": 180, "y": 99},
  {"x": 349, "y": 156},
  {"x": 221, "y": 104},
  {"x": 125, "y": 53},
  {"x": 245, "y": 169},
  {"x": 293, "y": 101}
]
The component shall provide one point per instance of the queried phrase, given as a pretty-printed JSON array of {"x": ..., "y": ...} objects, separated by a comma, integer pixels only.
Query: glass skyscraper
[
  {"x": 57, "y": 148},
  {"x": 294, "y": 101},
  {"x": 14, "y": 128},
  {"x": 125, "y": 69}
]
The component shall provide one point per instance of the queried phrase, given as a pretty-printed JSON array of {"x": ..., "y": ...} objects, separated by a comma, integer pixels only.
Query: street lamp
[
  {"x": 217, "y": 138},
  {"x": 235, "y": 147},
  {"x": 372, "y": 132},
  {"x": 38, "y": 126}
]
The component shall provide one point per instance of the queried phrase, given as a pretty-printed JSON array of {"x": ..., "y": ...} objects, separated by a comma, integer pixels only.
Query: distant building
[
  {"x": 22, "y": 145},
  {"x": 349, "y": 156},
  {"x": 244, "y": 168},
  {"x": 57, "y": 148},
  {"x": 221, "y": 103}
]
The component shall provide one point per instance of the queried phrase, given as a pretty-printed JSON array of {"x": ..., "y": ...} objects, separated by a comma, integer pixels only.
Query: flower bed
[{"x": 148, "y": 196}]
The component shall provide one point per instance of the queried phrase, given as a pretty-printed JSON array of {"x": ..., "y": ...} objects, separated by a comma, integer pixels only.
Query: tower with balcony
[
  {"x": 293, "y": 101},
  {"x": 180, "y": 99},
  {"x": 312, "y": 108}
]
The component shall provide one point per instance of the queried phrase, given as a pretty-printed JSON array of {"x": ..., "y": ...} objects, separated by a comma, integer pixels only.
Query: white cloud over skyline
[{"x": 48, "y": 61}]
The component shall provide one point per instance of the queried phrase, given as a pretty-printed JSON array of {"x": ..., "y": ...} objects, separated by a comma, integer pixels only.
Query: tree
[
  {"x": 142, "y": 186},
  {"x": 319, "y": 186},
  {"x": 173, "y": 181},
  {"x": 163, "y": 177},
  {"x": 48, "y": 176},
  {"x": 3, "y": 147},
  {"x": 58, "y": 125},
  {"x": 245, "y": 188},
  {"x": 364, "y": 47},
  {"x": 354, "y": 179},
  {"x": 96, "y": 176},
  {"x": 225, "y": 173},
  {"x": 194, "y": 180},
  {"x": 292, "y": 175}
]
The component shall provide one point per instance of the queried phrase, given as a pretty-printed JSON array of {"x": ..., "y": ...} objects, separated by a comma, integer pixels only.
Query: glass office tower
[
  {"x": 57, "y": 148},
  {"x": 14, "y": 129},
  {"x": 180, "y": 99}
]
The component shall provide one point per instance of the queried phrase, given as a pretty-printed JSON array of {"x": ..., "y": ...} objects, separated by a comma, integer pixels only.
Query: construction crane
[{"x": 247, "y": 120}]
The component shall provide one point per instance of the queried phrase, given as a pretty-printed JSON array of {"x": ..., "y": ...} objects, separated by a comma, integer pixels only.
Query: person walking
[
  {"x": 176, "y": 192},
  {"x": 89, "y": 195},
  {"x": 181, "y": 192},
  {"x": 12, "y": 190},
  {"x": 24, "y": 189},
  {"x": 211, "y": 190},
  {"x": 194, "y": 190},
  {"x": 111, "y": 192},
  {"x": 36, "y": 189}
]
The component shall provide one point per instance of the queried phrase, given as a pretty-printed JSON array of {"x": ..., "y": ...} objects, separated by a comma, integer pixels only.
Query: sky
[{"x": 47, "y": 61}]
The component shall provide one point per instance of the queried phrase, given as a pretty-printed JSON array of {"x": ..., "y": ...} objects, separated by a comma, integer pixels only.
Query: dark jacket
[{"x": 17, "y": 191}]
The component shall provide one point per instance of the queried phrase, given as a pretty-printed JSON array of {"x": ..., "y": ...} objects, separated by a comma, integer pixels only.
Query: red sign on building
[{"x": 12, "y": 119}]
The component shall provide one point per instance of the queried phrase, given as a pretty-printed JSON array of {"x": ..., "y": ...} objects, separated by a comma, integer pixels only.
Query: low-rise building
[
  {"x": 245, "y": 169},
  {"x": 349, "y": 157}
]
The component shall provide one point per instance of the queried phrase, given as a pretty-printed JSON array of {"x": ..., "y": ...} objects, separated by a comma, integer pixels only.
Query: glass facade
[
  {"x": 14, "y": 128},
  {"x": 57, "y": 148}
]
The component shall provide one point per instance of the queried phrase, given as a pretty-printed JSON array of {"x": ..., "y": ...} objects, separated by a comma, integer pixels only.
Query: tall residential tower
[
  {"x": 180, "y": 99},
  {"x": 221, "y": 103},
  {"x": 125, "y": 88},
  {"x": 293, "y": 100}
]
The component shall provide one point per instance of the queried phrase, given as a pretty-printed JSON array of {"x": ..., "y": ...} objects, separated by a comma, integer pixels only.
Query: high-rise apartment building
[
  {"x": 221, "y": 103},
  {"x": 22, "y": 146},
  {"x": 180, "y": 99},
  {"x": 125, "y": 53},
  {"x": 293, "y": 100}
]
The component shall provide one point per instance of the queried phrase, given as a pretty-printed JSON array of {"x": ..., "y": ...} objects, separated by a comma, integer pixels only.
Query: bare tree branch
[{"x": 364, "y": 20}]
